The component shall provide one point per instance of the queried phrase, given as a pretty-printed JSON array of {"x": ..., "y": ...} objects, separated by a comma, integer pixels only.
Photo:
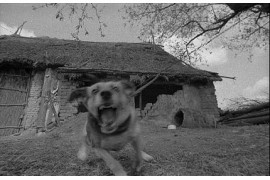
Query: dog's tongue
[{"x": 108, "y": 115}]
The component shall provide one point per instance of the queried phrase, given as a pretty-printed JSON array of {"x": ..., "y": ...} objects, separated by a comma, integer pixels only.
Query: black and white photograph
[{"x": 134, "y": 88}]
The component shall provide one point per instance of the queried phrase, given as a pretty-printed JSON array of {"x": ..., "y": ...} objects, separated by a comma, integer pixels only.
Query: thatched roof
[{"x": 73, "y": 56}]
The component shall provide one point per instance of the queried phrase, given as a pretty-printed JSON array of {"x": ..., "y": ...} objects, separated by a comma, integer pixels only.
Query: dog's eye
[
  {"x": 115, "y": 88},
  {"x": 94, "y": 91}
]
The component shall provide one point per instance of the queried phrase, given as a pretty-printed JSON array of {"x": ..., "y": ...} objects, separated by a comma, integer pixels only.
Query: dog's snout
[{"x": 106, "y": 95}]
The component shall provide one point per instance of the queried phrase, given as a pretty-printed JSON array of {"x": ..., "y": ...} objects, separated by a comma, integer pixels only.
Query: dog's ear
[
  {"x": 79, "y": 94},
  {"x": 128, "y": 87}
]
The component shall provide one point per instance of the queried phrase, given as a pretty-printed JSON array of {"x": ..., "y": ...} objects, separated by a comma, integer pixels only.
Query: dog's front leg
[
  {"x": 138, "y": 153},
  {"x": 113, "y": 164},
  {"x": 84, "y": 150}
]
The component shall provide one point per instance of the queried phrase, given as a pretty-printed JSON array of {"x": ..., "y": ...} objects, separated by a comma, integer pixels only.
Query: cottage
[{"x": 38, "y": 74}]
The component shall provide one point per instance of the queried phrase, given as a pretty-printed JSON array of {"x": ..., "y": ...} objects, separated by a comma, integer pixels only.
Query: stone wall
[
  {"x": 33, "y": 103},
  {"x": 198, "y": 104},
  {"x": 208, "y": 100}
]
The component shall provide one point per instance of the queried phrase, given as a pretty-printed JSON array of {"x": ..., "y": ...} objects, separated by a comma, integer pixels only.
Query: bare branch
[
  {"x": 99, "y": 20},
  {"x": 166, "y": 7},
  {"x": 223, "y": 23},
  {"x": 219, "y": 34},
  {"x": 190, "y": 22},
  {"x": 256, "y": 30},
  {"x": 146, "y": 85},
  {"x": 156, "y": 10},
  {"x": 19, "y": 29}
]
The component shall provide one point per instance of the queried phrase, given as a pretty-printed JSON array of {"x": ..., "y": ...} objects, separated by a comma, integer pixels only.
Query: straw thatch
[{"x": 97, "y": 56}]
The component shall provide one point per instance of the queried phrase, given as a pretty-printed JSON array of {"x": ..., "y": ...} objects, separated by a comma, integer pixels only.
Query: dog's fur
[{"x": 111, "y": 122}]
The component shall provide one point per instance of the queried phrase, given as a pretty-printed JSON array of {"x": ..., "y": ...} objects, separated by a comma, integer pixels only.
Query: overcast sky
[{"x": 252, "y": 75}]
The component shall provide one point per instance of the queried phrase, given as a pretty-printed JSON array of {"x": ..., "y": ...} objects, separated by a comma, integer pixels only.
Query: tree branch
[
  {"x": 99, "y": 21},
  {"x": 166, "y": 7},
  {"x": 224, "y": 22},
  {"x": 219, "y": 34},
  {"x": 19, "y": 29},
  {"x": 145, "y": 86}
]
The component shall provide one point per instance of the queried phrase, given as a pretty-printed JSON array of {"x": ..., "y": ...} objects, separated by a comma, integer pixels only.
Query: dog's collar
[{"x": 122, "y": 127}]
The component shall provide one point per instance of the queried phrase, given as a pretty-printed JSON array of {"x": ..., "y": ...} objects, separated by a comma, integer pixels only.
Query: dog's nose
[{"x": 106, "y": 95}]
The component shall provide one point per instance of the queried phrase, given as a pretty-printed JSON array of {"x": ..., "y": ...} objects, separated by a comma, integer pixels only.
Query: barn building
[{"x": 38, "y": 74}]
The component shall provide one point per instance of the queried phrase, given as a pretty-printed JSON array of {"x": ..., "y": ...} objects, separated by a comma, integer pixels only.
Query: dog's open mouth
[{"x": 107, "y": 115}]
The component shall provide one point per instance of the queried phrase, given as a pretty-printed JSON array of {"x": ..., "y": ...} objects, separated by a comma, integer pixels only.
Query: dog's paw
[
  {"x": 82, "y": 154},
  {"x": 137, "y": 166},
  {"x": 147, "y": 157},
  {"x": 120, "y": 173}
]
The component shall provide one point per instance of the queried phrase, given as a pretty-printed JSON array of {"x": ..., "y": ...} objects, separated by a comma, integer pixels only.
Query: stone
[
  {"x": 171, "y": 126},
  {"x": 148, "y": 106}
]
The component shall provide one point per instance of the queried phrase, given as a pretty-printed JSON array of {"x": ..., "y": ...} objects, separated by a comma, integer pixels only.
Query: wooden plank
[
  {"x": 140, "y": 101},
  {"x": 11, "y": 89},
  {"x": 15, "y": 75},
  {"x": 15, "y": 127},
  {"x": 26, "y": 101},
  {"x": 254, "y": 120},
  {"x": 54, "y": 113},
  {"x": 11, "y": 127},
  {"x": 12, "y": 104},
  {"x": 145, "y": 86},
  {"x": 46, "y": 90},
  {"x": 250, "y": 115}
]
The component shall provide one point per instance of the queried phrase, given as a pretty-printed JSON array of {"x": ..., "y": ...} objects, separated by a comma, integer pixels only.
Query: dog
[{"x": 111, "y": 123}]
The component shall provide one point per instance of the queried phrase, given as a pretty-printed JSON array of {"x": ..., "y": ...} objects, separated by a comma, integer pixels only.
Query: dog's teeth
[{"x": 105, "y": 107}]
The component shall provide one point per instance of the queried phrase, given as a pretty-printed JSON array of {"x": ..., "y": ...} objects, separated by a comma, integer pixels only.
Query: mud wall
[
  {"x": 198, "y": 104},
  {"x": 67, "y": 110},
  {"x": 33, "y": 103}
]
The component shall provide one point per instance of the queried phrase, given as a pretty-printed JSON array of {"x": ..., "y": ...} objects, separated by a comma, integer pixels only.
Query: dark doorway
[{"x": 179, "y": 118}]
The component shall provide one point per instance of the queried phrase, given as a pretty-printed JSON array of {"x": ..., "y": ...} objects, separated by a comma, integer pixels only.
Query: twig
[
  {"x": 19, "y": 29},
  {"x": 234, "y": 78},
  {"x": 217, "y": 35},
  {"x": 145, "y": 86}
]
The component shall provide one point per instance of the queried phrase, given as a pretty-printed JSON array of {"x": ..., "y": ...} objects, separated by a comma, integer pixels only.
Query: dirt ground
[{"x": 221, "y": 151}]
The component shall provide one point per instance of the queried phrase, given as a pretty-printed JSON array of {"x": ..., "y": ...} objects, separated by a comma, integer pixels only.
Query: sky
[{"x": 252, "y": 75}]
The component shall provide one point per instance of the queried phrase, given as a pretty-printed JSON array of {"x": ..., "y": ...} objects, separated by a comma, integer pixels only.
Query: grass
[{"x": 222, "y": 151}]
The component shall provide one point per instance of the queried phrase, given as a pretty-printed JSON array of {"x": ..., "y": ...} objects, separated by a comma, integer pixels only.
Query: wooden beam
[
  {"x": 12, "y": 127},
  {"x": 26, "y": 101},
  {"x": 253, "y": 120},
  {"x": 11, "y": 89},
  {"x": 168, "y": 83},
  {"x": 145, "y": 86},
  {"x": 250, "y": 115},
  {"x": 123, "y": 72},
  {"x": 234, "y": 78},
  {"x": 45, "y": 95},
  {"x": 140, "y": 101},
  {"x": 15, "y": 75},
  {"x": 12, "y": 104}
]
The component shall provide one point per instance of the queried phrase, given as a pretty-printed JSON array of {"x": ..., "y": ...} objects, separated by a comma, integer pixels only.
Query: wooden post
[
  {"x": 140, "y": 101},
  {"x": 46, "y": 90},
  {"x": 53, "y": 107},
  {"x": 54, "y": 113},
  {"x": 25, "y": 100}
]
